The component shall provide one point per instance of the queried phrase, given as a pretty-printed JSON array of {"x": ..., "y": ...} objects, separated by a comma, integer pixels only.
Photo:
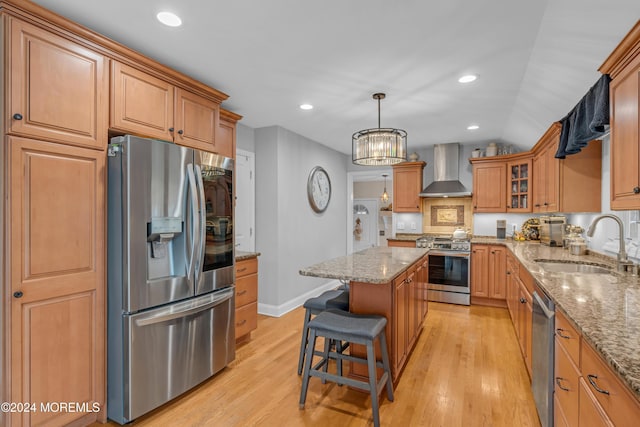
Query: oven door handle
[{"x": 451, "y": 254}]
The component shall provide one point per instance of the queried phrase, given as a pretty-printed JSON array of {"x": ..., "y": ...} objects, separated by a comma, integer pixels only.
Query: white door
[
  {"x": 245, "y": 201},
  {"x": 365, "y": 223}
]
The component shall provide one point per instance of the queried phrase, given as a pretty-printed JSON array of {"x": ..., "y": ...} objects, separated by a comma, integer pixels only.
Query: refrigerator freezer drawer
[{"x": 169, "y": 350}]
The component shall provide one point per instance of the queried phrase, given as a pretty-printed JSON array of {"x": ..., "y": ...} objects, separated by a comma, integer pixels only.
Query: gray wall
[
  {"x": 245, "y": 138},
  {"x": 289, "y": 234}
]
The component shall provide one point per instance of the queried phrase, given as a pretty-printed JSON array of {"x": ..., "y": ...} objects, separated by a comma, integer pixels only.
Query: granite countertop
[
  {"x": 374, "y": 265},
  {"x": 242, "y": 255},
  {"x": 604, "y": 307}
]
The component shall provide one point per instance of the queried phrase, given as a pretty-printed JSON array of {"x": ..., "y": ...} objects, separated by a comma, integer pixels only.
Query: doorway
[
  {"x": 245, "y": 201},
  {"x": 369, "y": 176},
  {"x": 365, "y": 224}
]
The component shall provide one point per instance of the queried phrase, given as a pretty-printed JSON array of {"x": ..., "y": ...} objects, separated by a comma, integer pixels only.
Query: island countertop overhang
[{"x": 377, "y": 265}]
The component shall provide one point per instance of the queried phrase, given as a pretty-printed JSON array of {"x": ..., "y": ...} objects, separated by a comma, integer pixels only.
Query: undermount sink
[{"x": 558, "y": 266}]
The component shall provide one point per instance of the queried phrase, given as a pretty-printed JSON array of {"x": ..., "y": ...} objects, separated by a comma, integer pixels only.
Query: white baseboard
[{"x": 279, "y": 310}]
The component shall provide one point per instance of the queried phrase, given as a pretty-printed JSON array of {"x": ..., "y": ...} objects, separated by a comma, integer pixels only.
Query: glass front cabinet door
[{"x": 519, "y": 182}]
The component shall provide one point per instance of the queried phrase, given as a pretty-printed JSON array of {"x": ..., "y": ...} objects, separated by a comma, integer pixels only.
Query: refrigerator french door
[{"x": 170, "y": 272}]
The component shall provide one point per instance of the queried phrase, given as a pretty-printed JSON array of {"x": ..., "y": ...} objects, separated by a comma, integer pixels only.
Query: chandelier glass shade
[{"x": 379, "y": 146}]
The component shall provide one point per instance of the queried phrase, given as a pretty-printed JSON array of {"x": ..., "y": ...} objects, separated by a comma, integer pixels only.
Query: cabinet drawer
[
  {"x": 246, "y": 290},
  {"x": 246, "y": 319},
  {"x": 559, "y": 419},
  {"x": 591, "y": 413},
  {"x": 566, "y": 383},
  {"x": 246, "y": 267},
  {"x": 619, "y": 404},
  {"x": 567, "y": 335},
  {"x": 527, "y": 279}
]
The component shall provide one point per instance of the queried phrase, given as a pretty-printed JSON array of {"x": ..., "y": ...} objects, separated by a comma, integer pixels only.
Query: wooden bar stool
[
  {"x": 334, "y": 299},
  {"x": 355, "y": 328}
]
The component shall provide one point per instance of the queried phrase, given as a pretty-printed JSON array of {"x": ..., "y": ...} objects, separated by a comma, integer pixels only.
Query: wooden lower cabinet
[
  {"x": 401, "y": 243},
  {"x": 591, "y": 413},
  {"x": 400, "y": 324},
  {"x": 566, "y": 384},
  {"x": 403, "y": 301},
  {"x": 57, "y": 241},
  {"x": 246, "y": 298},
  {"x": 586, "y": 391},
  {"x": 559, "y": 419},
  {"x": 519, "y": 285},
  {"x": 525, "y": 319},
  {"x": 488, "y": 274}
]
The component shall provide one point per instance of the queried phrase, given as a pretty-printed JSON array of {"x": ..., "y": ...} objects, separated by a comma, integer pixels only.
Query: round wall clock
[{"x": 319, "y": 189}]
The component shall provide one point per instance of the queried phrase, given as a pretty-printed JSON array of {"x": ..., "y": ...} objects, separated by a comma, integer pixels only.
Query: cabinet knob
[
  {"x": 508, "y": 273},
  {"x": 537, "y": 205},
  {"x": 180, "y": 132},
  {"x": 17, "y": 116},
  {"x": 546, "y": 204},
  {"x": 523, "y": 300},
  {"x": 18, "y": 294},
  {"x": 170, "y": 129},
  {"x": 636, "y": 190}
]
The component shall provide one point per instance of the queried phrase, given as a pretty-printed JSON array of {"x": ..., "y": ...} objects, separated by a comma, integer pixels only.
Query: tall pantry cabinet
[
  {"x": 58, "y": 113},
  {"x": 55, "y": 135}
]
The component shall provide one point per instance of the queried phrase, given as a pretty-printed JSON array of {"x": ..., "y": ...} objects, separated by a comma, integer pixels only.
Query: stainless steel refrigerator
[{"x": 170, "y": 272}]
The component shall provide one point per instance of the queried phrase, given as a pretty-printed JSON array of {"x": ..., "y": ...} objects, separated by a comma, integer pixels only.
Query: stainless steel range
[{"x": 449, "y": 269}]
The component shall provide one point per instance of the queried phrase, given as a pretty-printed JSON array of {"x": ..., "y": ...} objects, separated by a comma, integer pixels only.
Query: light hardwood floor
[{"x": 466, "y": 370}]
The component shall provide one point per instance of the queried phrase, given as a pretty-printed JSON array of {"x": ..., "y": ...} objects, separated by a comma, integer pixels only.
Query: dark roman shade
[{"x": 588, "y": 120}]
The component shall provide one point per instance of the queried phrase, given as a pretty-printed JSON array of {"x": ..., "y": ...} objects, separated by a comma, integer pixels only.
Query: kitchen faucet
[{"x": 623, "y": 262}]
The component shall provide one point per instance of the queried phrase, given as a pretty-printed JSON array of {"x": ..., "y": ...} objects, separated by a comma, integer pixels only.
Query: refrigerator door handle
[
  {"x": 195, "y": 240},
  {"x": 214, "y": 299},
  {"x": 203, "y": 221}
]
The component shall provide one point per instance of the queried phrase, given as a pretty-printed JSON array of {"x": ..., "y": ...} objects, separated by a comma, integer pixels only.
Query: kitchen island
[{"x": 387, "y": 281}]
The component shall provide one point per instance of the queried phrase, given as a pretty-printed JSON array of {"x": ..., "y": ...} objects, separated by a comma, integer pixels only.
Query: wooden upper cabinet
[
  {"x": 140, "y": 103},
  {"x": 572, "y": 184},
  {"x": 144, "y": 105},
  {"x": 58, "y": 89},
  {"x": 489, "y": 186},
  {"x": 623, "y": 65},
  {"x": 57, "y": 244},
  {"x": 226, "y": 138},
  {"x": 195, "y": 121},
  {"x": 519, "y": 185},
  {"x": 407, "y": 185},
  {"x": 546, "y": 173}
]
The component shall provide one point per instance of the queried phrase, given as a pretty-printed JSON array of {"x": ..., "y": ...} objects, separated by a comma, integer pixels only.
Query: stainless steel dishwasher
[{"x": 542, "y": 360}]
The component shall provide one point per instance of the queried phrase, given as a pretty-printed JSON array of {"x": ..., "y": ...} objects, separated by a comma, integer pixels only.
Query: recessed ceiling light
[
  {"x": 468, "y": 78},
  {"x": 169, "y": 19},
  {"x": 306, "y": 107},
  {"x": 473, "y": 127}
]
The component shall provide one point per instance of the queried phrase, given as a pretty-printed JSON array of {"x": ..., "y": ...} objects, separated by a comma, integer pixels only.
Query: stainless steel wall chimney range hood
[{"x": 445, "y": 165}]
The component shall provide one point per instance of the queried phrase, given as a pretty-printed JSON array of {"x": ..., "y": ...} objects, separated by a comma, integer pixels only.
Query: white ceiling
[{"x": 535, "y": 59}]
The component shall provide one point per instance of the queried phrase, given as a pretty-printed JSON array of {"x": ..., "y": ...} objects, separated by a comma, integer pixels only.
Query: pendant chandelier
[
  {"x": 379, "y": 146},
  {"x": 385, "y": 196}
]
